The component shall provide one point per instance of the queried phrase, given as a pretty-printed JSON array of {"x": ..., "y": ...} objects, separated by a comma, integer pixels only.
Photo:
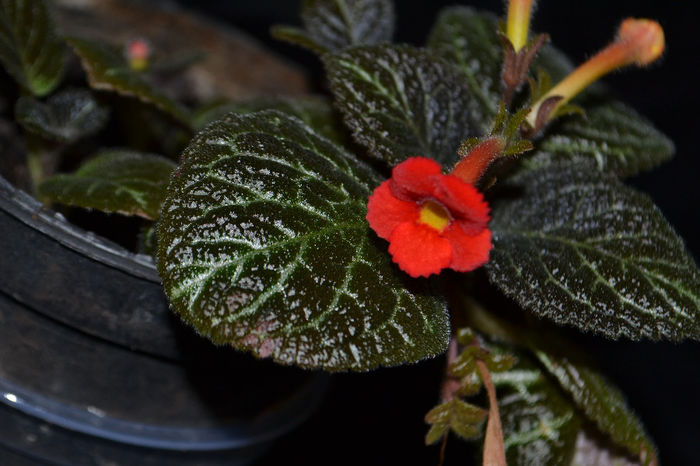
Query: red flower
[{"x": 432, "y": 221}]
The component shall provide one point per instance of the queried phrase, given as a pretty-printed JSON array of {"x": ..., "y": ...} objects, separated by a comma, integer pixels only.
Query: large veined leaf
[
  {"x": 30, "y": 49},
  {"x": 332, "y": 25},
  {"x": 317, "y": 112},
  {"x": 263, "y": 244},
  {"x": 469, "y": 40},
  {"x": 107, "y": 69},
  {"x": 400, "y": 102},
  {"x": 66, "y": 116},
  {"x": 611, "y": 135},
  {"x": 120, "y": 181},
  {"x": 578, "y": 247},
  {"x": 602, "y": 403},
  {"x": 592, "y": 449},
  {"x": 540, "y": 424}
]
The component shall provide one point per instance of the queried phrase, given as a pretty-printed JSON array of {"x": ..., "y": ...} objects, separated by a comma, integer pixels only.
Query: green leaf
[
  {"x": 108, "y": 70},
  {"x": 119, "y": 181},
  {"x": 400, "y": 101},
  {"x": 540, "y": 424},
  {"x": 317, "y": 112},
  {"x": 469, "y": 40},
  {"x": 580, "y": 248},
  {"x": 592, "y": 449},
  {"x": 332, "y": 25},
  {"x": 30, "y": 49},
  {"x": 263, "y": 245},
  {"x": 611, "y": 135},
  {"x": 460, "y": 417},
  {"x": 601, "y": 402},
  {"x": 66, "y": 116}
]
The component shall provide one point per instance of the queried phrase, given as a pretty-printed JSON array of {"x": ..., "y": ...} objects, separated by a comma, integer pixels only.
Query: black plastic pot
[{"x": 94, "y": 368}]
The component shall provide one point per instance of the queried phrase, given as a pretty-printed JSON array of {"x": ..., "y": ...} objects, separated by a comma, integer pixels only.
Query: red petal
[
  {"x": 385, "y": 212},
  {"x": 468, "y": 252},
  {"x": 463, "y": 200},
  {"x": 414, "y": 178},
  {"x": 419, "y": 250}
]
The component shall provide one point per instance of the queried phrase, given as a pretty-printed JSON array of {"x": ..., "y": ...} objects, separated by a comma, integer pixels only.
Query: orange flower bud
[{"x": 638, "y": 41}]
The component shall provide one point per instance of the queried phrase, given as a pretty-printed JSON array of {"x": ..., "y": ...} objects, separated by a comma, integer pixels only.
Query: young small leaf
[
  {"x": 602, "y": 403},
  {"x": 107, "y": 70},
  {"x": 66, "y": 117},
  {"x": 400, "y": 102},
  {"x": 457, "y": 415},
  {"x": 30, "y": 49},
  {"x": 332, "y": 25},
  {"x": 578, "y": 247},
  {"x": 119, "y": 181},
  {"x": 263, "y": 245},
  {"x": 469, "y": 40},
  {"x": 611, "y": 135}
]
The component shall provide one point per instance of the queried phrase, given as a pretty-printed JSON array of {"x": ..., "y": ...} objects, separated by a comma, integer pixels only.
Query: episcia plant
[{"x": 455, "y": 203}]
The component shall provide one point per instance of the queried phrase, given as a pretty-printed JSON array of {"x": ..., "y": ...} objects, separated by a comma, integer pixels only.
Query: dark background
[{"x": 377, "y": 417}]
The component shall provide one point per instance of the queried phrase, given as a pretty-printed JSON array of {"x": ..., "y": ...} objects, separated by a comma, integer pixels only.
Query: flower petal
[
  {"x": 415, "y": 178},
  {"x": 464, "y": 202},
  {"x": 469, "y": 252},
  {"x": 419, "y": 250},
  {"x": 385, "y": 212}
]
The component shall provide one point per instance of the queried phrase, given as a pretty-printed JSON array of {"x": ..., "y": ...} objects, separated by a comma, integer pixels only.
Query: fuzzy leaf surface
[
  {"x": 30, "y": 49},
  {"x": 612, "y": 135},
  {"x": 602, "y": 403},
  {"x": 317, "y": 112},
  {"x": 540, "y": 425},
  {"x": 469, "y": 40},
  {"x": 580, "y": 248},
  {"x": 337, "y": 24},
  {"x": 66, "y": 116},
  {"x": 107, "y": 70},
  {"x": 400, "y": 101},
  {"x": 263, "y": 245},
  {"x": 120, "y": 181}
]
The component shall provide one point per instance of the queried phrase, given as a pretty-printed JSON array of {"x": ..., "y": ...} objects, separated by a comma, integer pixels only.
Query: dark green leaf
[
  {"x": 107, "y": 69},
  {"x": 332, "y": 25},
  {"x": 30, "y": 50},
  {"x": 592, "y": 449},
  {"x": 316, "y": 112},
  {"x": 540, "y": 424},
  {"x": 115, "y": 180},
  {"x": 601, "y": 402},
  {"x": 611, "y": 135},
  {"x": 400, "y": 101},
  {"x": 263, "y": 244},
  {"x": 66, "y": 116},
  {"x": 469, "y": 40},
  {"x": 580, "y": 248}
]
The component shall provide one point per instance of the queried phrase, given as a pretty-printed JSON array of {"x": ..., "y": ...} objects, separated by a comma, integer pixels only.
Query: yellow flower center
[{"x": 434, "y": 215}]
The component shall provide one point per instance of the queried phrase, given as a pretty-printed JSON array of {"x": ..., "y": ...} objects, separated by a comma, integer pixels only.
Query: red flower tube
[{"x": 432, "y": 221}]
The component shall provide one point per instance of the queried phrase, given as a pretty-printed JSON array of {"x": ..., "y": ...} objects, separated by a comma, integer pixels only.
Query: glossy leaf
[
  {"x": 469, "y": 40},
  {"x": 602, "y": 403},
  {"x": 611, "y": 135},
  {"x": 263, "y": 244},
  {"x": 30, "y": 50},
  {"x": 316, "y": 112},
  {"x": 540, "y": 425},
  {"x": 332, "y": 25},
  {"x": 400, "y": 102},
  {"x": 580, "y": 248},
  {"x": 119, "y": 181},
  {"x": 66, "y": 116},
  {"x": 107, "y": 70}
]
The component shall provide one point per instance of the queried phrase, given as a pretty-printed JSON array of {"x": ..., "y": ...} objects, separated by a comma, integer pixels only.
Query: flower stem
[{"x": 494, "y": 446}]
